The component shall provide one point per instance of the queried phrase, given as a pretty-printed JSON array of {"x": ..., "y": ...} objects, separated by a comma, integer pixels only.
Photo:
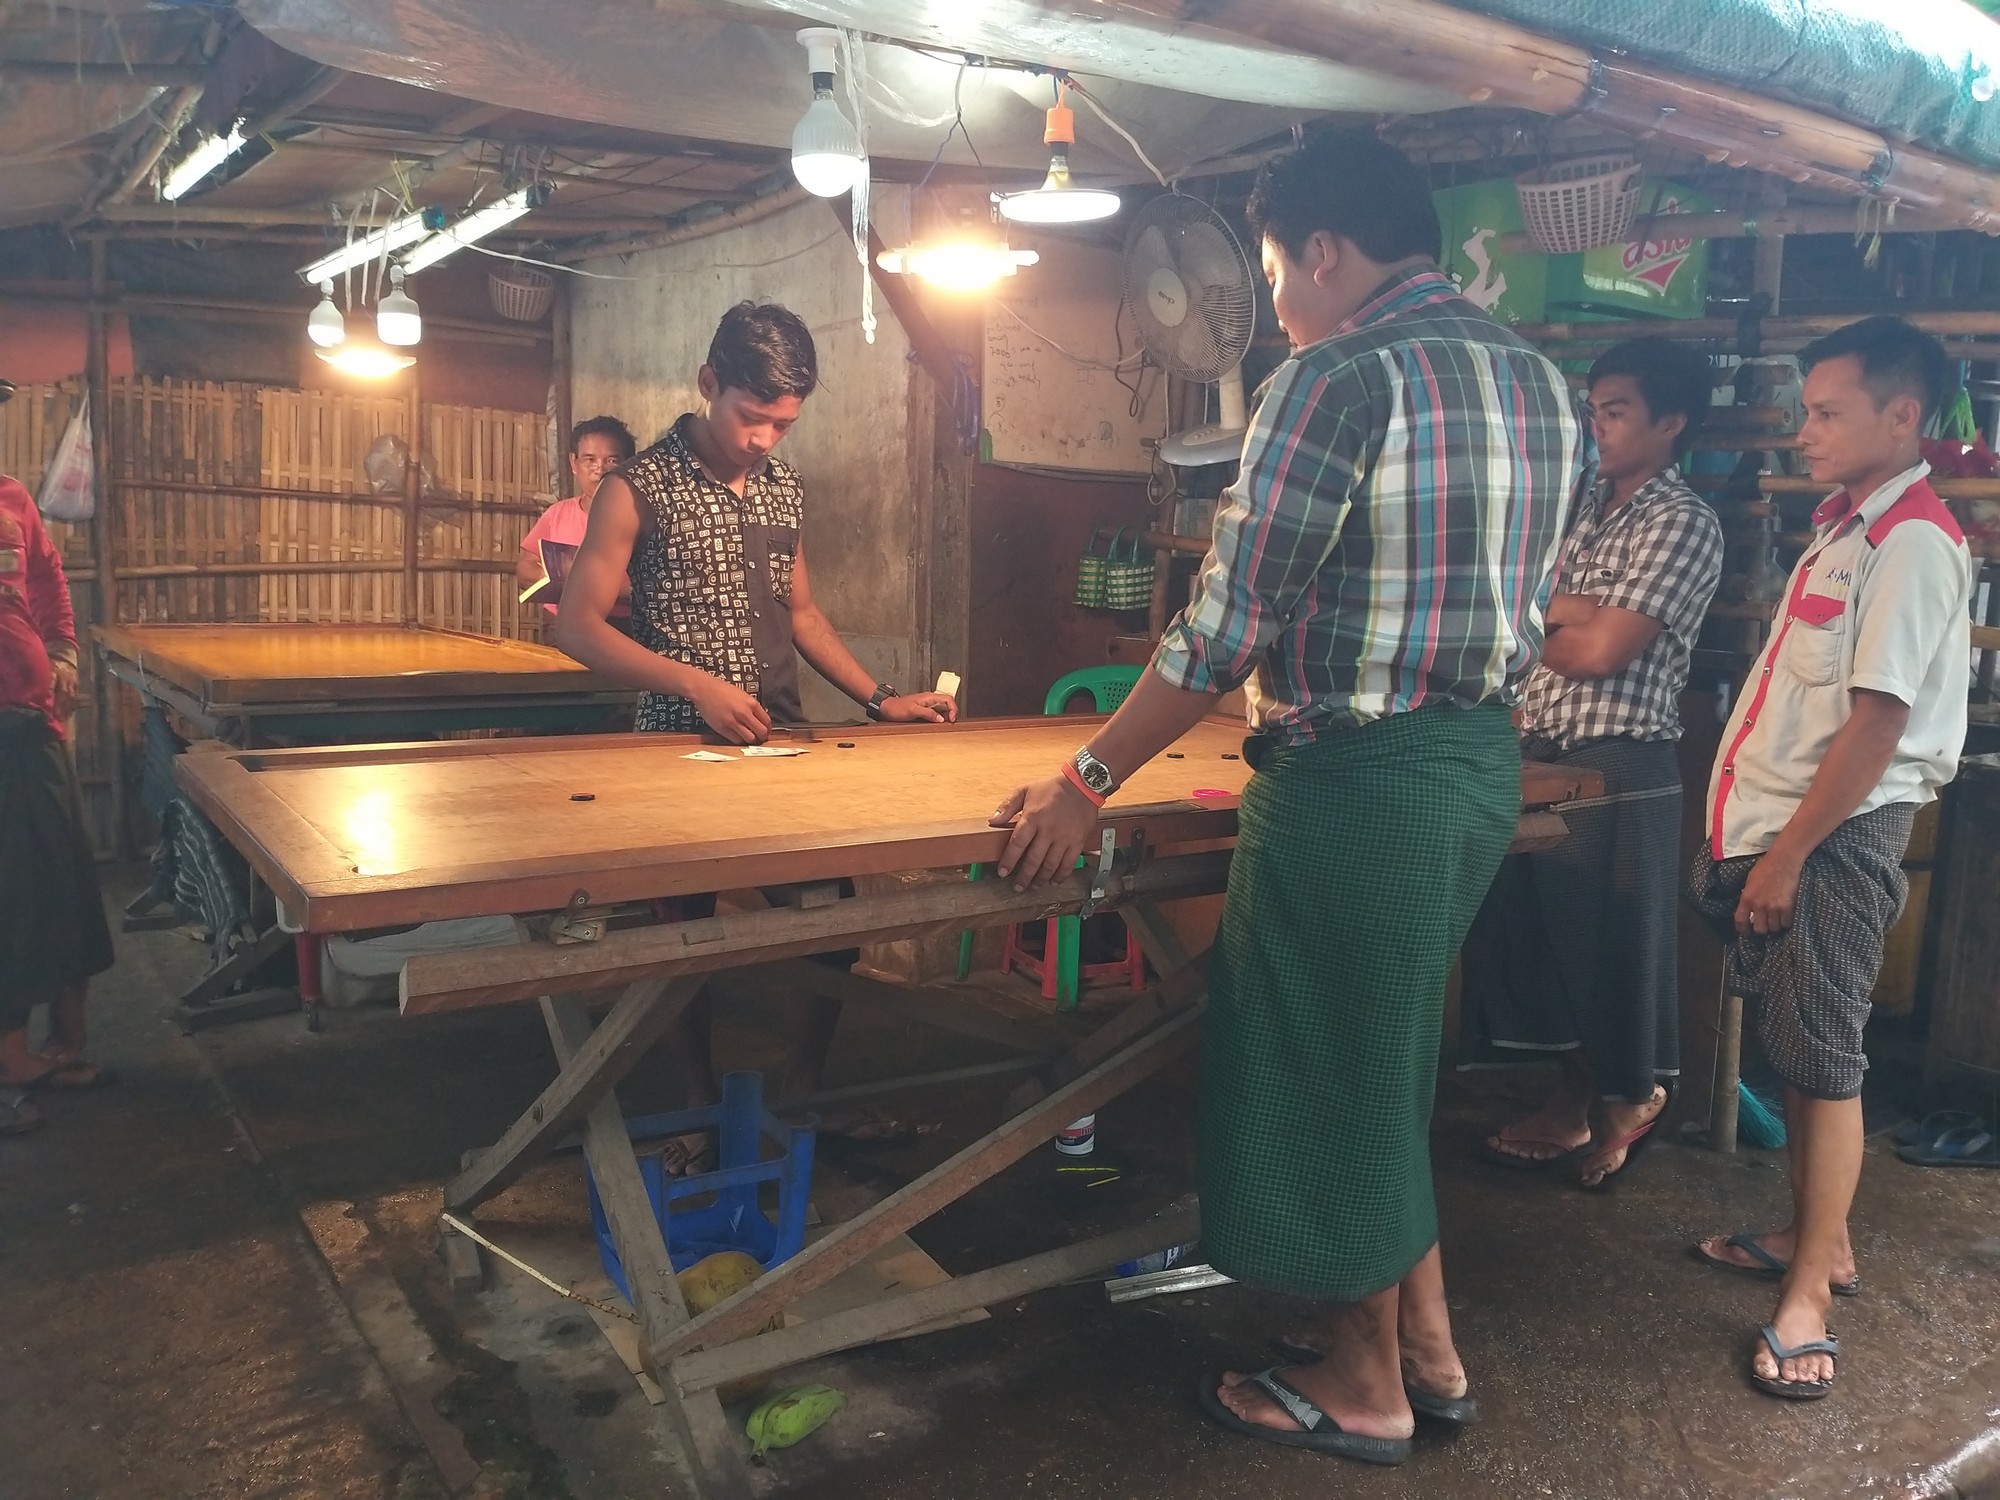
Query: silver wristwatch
[{"x": 1095, "y": 773}]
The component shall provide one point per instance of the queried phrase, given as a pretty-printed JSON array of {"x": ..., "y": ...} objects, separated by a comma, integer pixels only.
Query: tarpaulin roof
[{"x": 1921, "y": 70}]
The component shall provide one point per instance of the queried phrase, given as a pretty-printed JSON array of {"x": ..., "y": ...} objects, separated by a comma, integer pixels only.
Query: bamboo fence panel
[
  {"x": 316, "y": 441},
  {"x": 186, "y": 549}
]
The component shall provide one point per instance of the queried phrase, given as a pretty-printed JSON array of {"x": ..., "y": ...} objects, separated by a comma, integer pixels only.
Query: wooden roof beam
[
  {"x": 1493, "y": 62},
  {"x": 151, "y": 75}
]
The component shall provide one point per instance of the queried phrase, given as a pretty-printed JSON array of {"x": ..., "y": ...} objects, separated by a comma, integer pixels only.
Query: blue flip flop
[
  {"x": 1318, "y": 1432},
  {"x": 1453, "y": 1411},
  {"x": 1794, "y": 1390},
  {"x": 1768, "y": 1268},
  {"x": 1935, "y": 1124},
  {"x": 1963, "y": 1146}
]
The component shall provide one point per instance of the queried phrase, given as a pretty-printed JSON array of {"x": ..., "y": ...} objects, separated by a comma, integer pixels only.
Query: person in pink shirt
[
  {"x": 596, "y": 447},
  {"x": 54, "y": 936}
]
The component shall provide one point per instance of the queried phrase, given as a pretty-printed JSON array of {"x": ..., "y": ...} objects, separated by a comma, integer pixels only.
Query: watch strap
[
  {"x": 883, "y": 693},
  {"x": 1075, "y": 778}
]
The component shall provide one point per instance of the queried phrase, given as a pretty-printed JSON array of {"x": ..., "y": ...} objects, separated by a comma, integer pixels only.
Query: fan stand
[{"x": 1212, "y": 442}]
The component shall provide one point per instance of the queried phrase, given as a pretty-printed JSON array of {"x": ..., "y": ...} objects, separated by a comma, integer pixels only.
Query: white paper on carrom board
[
  {"x": 706, "y": 755},
  {"x": 773, "y": 750}
]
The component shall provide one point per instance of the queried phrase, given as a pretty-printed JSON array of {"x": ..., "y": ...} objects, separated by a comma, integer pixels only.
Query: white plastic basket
[
  {"x": 520, "y": 292},
  {"x": 1580, "y": 205}
]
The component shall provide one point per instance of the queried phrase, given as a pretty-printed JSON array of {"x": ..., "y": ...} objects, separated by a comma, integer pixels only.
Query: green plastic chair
[{"x": 1108, "y": 687}]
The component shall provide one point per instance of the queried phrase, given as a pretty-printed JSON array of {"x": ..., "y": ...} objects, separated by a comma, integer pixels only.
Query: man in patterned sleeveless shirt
[{"x": 706, "y": 524}]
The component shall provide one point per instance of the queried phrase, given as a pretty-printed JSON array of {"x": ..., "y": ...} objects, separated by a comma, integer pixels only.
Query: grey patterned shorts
[{"x": 1812, "y": 981}]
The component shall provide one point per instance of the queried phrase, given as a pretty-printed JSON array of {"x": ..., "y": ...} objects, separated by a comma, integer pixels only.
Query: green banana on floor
[{"x": 790, "y": 1417}]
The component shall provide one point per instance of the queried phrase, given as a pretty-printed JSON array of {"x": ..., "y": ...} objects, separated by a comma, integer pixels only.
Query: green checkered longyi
[{"x": 1361, "y": 860}]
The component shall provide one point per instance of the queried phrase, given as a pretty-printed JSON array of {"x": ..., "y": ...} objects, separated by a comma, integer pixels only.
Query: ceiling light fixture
[
  {"x": 325, "y": 326},
  {"x": 957, "y": 265},
  {"x": 390, "y": 238},
  {"x": 826, "y": 148},
  {"x": 366, "y": 358},
  {"x": 397, "y": 320},
  {"x": 475, "y": 226},
  {"x": 1058, "y": 200},
  {"x": 198, "y": 163}
]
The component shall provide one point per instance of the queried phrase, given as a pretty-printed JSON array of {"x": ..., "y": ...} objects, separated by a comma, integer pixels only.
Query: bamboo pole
[
  {"x": 562, "y": 376},
  {"x": 312, "y": 568},
  {"x": 413, "y": 501},
  {"x": 1731, "y": 224},
  {"x": 747, "y": 213},
  {"x": 1488, "y": 61},
  {"x": 468, "y": 330},
  {"x": 392, "y": 502},
  {"x": 103, "y": 553},
  {"x": 1968, "y": 324}
]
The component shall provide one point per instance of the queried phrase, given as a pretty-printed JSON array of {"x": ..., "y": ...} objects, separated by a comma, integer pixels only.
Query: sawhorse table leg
[{"x": 695, "y": 1422}]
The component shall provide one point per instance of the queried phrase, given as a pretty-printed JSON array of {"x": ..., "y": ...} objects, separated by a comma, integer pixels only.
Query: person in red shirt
[{"x": 54, "y": 936}]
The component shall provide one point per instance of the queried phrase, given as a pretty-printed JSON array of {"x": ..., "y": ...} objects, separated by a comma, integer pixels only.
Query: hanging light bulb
[
  {"x": 967, "y": 253},
  {"x": 367, "y": 357},
  {"x": 957, "y": 265},
  {"x": 1058, "y": 200},
  {"x": 826, "y": 148},
  {"x": 325, "y": 326},
  {"x": 396, "y": 317}
]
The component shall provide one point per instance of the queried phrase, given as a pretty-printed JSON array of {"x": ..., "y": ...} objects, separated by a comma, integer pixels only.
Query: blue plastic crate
[{"x": 733, "y": 1220}]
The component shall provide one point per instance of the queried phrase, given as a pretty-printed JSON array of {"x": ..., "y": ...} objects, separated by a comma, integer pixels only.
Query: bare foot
[
  {"x": 1327, "y": 1389},
  {"x": 1620, "y": 1120},
  {"x": 1559, "y": 1127},
  {"x": 1779, "y": 1243},
  {"x": 37, "y": 1069},
  {"x": 1799, "y": 1320},
  {"x": 1430, "y": 1360}
]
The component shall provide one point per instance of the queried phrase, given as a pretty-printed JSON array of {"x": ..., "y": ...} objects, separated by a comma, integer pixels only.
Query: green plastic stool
[{"x": 1108, "y": 687}]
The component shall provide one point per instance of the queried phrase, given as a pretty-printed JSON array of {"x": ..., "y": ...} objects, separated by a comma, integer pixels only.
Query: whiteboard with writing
[{"x": 1063, "y": 407}]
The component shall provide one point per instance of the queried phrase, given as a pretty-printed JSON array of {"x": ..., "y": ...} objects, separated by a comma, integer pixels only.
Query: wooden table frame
[
  {"x": 245, "y": 708},
  {"x": 164, "y": 665},
  {"x": 651, "y": 973}
]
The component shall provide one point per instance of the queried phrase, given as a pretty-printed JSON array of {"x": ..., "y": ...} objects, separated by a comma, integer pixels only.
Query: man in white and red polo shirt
[{"x": 1853, "y": 717}]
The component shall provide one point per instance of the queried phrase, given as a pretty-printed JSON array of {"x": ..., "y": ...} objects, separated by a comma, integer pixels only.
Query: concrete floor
[{"x": 221, "y": 1284}]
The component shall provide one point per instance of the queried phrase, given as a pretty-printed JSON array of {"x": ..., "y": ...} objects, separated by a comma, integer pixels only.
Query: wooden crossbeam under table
[{"x": 693, "y": 1357}]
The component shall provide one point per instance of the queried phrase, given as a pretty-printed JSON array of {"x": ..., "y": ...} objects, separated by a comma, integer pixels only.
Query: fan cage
[{"x": 1222, "y": 314}]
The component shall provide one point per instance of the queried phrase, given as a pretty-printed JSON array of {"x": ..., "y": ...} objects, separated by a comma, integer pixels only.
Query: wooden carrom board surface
[
  {"x": 227, "y": 667},
  {"x": 378, "y": 835}
]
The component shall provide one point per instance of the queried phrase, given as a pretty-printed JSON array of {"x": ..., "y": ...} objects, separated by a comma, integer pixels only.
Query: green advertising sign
[{"x": 1665, "y": 277}]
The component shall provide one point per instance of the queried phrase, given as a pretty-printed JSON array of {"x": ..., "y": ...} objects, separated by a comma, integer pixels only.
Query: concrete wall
[{"x": 863, "y": 445}]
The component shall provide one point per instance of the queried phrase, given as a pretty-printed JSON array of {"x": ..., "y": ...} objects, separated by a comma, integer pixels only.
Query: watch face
[{"x": 1096, "y": 774}]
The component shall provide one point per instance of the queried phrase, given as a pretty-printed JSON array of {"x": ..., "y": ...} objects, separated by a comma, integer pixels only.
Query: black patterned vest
[{"x": 712, "y": 578}]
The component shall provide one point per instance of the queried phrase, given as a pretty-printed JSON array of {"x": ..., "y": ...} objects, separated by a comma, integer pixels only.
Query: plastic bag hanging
[{"x": 69, "y": 486}]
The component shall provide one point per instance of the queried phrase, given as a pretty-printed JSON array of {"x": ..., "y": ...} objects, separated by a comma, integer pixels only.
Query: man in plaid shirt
[
  {"x": 1374, "y": 585},
  {"x": 1573, "y": 953}
]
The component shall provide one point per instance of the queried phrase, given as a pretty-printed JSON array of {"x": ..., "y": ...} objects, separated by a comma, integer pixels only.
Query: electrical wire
[
  {"x": 957, "y": 127},
  {"x": 719, "y": 265},
  {"x": 1097, "y": 109},
  {"x": 1136, "y": 357}
]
